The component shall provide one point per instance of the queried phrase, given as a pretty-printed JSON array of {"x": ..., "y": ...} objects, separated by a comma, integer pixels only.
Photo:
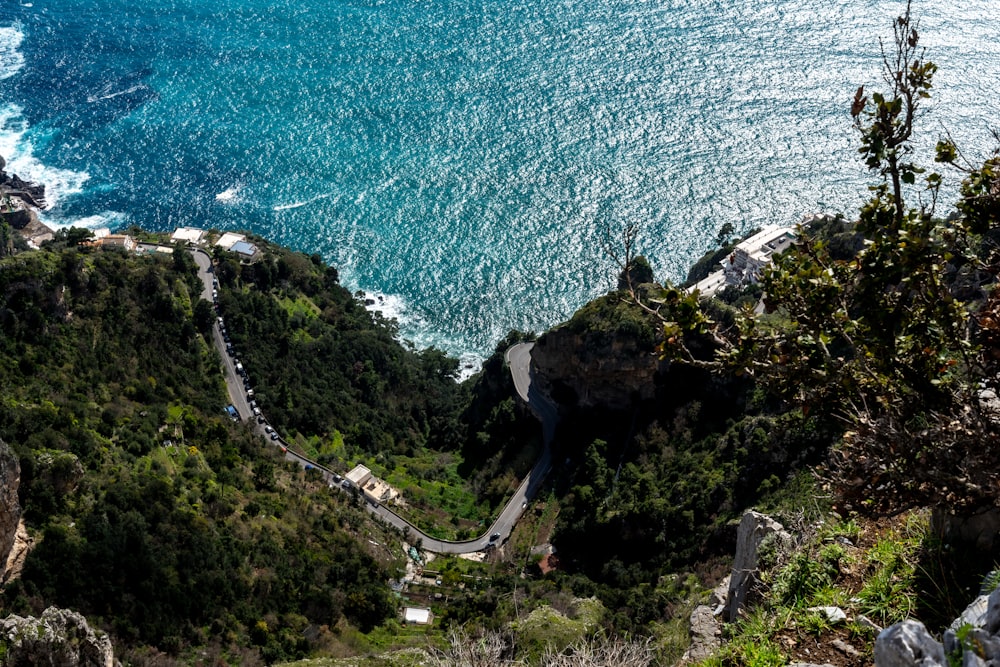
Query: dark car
[{"x": 494, "y": 537}]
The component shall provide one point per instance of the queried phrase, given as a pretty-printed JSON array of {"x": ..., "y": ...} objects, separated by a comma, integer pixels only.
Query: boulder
[
  {"x": 974, "y": 614},
  {"x": 60, "y": 637},
  {"x": 992, "y": 619},
  {"x": 908, "y": 644},
  {"x": 834, "y": 615},
  {"x": 753, "y": 530},
  {"x": 706, "y": 635},
  {"x": 981, "y": 529}
]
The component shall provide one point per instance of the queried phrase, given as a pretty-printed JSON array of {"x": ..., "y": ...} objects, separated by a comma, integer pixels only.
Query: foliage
[
  {"x": 637, "y": 272},
  {"x": 144, "y": 497},
  {"x": 329, "y": 365},
  {"x": 880, "y": 334}
]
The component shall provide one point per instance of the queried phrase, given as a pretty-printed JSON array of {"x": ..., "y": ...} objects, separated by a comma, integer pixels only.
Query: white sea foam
[
  {"x": 105, "y": 219},
  {"x": 300, "y": 204},
  {"x": 390, "y": 306},
  {"x": 419, "y": 331},
  {"x": 109, "y": 95},
  {"x": 229, "y": 195},
  {"x": 18, "y": 151},
  {"x": 11, "y": 59}
]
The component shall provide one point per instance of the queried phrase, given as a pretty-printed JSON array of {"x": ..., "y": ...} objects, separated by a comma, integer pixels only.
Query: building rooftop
[
  {"x": 766, "y": 242},
  {"x": 188, "y": 235},
  {"x": 418, "y": 615},
  {"x": 244, "y": 248},
  {"x": 358, "y": 475},
  {"x": 227, "y": 240}
]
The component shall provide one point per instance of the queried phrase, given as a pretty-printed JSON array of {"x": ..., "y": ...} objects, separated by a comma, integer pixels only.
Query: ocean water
[{"x": 464, "y": 160}]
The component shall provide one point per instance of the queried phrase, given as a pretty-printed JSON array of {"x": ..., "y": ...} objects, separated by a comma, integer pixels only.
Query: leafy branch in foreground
[{"x": 886, "y": 340}]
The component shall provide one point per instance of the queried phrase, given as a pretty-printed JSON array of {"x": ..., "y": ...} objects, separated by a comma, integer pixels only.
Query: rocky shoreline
[{"x": 20, "y": 201}]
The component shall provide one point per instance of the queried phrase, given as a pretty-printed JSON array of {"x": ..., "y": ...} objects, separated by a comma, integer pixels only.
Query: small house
[{"x": 417, "y": 616}]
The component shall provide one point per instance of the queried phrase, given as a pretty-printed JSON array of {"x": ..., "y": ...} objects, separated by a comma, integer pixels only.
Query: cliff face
[
  {"x": 605, "y": 356},
  {"x": 10, "y": 509}
]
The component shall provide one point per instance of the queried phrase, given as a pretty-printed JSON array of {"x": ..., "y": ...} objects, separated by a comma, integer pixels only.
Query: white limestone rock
[
  {"x": 753, "y": 530},
  {"x": 60, "y": 637},
  {"x": 908, "y": 644}
]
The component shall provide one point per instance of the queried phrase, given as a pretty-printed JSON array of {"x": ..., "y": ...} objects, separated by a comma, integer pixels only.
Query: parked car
[
  {"x": 274, "y": 436},
  {"x": 268, "y": 429}
]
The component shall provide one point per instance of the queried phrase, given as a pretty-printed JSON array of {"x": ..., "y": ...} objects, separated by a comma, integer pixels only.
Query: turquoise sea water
[{"x": 464, "y": 158}]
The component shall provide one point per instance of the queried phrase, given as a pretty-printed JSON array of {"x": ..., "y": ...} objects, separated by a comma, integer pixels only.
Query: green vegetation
[
  {"x": 157, "y": 518},
  {"x": 875, "y": 575},
  {"x": 857, "y": 390}
]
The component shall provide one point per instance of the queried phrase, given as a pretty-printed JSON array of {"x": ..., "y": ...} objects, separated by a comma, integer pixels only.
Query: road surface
[{"x": 519, "y": 360}]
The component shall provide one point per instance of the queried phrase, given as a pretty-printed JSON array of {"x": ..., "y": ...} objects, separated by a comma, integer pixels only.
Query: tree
[
  {"x": 883, "y": 340},
  {"x": 886, "y": 122},
  {"x": 724, "y": 234}
]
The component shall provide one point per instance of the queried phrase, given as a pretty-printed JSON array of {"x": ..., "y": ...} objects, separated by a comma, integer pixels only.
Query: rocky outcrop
[
  {"x": 706, "y": 628},
  {"x": 908, "y": 644},
  {"x": 10, "y": 509},
  {"x": 755, "y": 528},
  {"x": 12, "y": 185},
  {"x": 23, "y": 544},
  {"x": 973, "y": 639},
  {"x": 60, "y": 637},
  {"x": 604, "y": 357}
]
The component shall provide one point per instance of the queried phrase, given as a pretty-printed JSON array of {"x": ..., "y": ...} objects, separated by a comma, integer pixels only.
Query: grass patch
[
  {"x": 864, "y": 568},
  {"x": 301, "y": 306}
]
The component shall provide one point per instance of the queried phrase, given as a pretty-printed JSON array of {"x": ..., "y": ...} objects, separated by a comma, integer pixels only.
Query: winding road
[{"x": 518, "y": 359}]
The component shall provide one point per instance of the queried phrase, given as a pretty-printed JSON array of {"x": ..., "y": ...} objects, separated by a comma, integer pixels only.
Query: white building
[
  {"x": 187, "y": 235},
  {"x": 417, "y": 615},
  {"x": 744, "y": 264},
  {"x": 373, "y": 488},
  {"x": 358, "y": 476},
  {"x": 229, "y": 239}
]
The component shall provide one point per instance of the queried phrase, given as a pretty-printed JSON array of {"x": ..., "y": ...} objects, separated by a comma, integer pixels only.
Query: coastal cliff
[
  {"x": 19, "y": 200},
  {"x": 605, "y": 356}
]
